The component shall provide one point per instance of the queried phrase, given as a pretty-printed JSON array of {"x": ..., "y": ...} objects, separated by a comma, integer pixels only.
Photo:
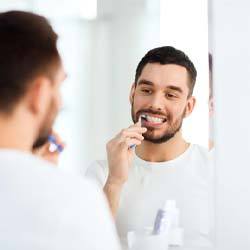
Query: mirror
[{"x": 101, "y": 43}]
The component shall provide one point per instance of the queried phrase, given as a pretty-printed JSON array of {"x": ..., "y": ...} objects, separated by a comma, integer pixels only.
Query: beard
[
  {"x": 41, "y": 140},
  {"x": 45, "y": 129},
  {"x": 173, "y": 126}
]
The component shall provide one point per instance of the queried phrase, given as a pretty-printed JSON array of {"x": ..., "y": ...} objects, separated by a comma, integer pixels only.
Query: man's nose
[{"x": 157, "y": 102}]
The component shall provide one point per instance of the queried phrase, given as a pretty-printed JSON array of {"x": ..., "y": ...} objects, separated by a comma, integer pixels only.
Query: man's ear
[
  {"x": 132, "y": 93},
  {"x": 38, "y": 98},
  {"x": 190, "y": 106}
]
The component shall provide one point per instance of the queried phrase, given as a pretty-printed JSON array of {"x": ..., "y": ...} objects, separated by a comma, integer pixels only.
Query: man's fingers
[
  {"x": 43, "y": 149},
  {"x": 131, "y": 134},
  {"x": 56, "y": 144},
  {"x": 140, "y": 130},
  {"x": 58, "y": 139},
  {"x": 131, "y": 142},
  {"x": 56, "y": 147}
]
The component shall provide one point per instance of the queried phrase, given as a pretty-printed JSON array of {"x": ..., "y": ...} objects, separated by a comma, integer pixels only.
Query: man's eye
[
  {"x": 146, "y": 91},
  {"x": 169, "y": 95}
]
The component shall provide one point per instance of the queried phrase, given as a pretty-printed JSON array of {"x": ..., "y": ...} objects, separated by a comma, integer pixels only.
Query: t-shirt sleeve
[{"x": 97, "y": 172}]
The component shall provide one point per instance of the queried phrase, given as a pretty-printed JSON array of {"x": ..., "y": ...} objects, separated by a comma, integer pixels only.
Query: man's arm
[
  {"x": 112, "y": 191},
  {"x": 120, "y": 153}
]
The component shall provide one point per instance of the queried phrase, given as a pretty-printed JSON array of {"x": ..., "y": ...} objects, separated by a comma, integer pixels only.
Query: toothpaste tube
[
  {"x": 166, "y": 218},
  {"x": 162, "y": 223}
]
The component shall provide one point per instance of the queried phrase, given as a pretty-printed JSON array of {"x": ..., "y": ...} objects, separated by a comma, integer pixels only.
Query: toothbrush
[
  {"x": 52, "y": 140},
  {"x": 133, "y": 145}
]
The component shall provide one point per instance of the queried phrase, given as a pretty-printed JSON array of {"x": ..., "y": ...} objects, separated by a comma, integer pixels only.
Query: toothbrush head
[{"x": 144, "y": 116}]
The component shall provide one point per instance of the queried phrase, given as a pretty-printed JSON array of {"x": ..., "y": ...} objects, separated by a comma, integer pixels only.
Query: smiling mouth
[{"x": 154, "y": 120}]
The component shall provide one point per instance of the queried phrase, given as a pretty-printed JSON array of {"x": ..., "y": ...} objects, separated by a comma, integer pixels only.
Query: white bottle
[
  {"x": 173, "y": 212},
  {"x": 175, "y": 233}
]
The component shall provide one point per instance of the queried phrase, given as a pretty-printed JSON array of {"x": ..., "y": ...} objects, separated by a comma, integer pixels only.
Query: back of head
[
  {"x": 27, "y": 50},
  {"x": 168, "y": 55}
]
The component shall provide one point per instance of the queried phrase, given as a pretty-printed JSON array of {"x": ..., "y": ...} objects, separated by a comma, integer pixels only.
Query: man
[
  {"x": 163, "y": 165},
  {"x": 41, "y": 207}
]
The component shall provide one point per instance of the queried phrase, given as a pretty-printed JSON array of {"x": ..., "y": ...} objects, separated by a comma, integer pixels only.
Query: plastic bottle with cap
[{"x": 172, "y": 212}]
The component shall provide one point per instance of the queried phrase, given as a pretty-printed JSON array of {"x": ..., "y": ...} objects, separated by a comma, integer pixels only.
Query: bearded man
[
  {"x": 41, "y": 206},
  {"x": 150, "y": 162}
]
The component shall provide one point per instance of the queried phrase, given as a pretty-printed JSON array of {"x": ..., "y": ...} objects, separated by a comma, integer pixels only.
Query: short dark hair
[
  {"x": 168, "y": 55},
  {"x": 27, "y": 49}
]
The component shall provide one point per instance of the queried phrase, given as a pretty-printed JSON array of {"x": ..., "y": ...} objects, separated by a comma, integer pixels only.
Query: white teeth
[{"x": 152, "y": 119}]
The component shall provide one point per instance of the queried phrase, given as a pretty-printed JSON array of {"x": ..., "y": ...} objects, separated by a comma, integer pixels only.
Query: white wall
[
  {"x": 75, "y": 45},
  {"x": 230, "y": 44},
  {"x": 184, "y": 25}
]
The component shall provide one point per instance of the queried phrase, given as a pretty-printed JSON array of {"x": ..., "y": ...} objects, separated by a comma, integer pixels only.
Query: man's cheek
[
  {"x": 139, "y": 104},
  {"x": 58, "y": 101}
]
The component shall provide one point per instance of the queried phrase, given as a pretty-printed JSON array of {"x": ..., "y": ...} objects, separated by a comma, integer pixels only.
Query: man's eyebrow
[
  {"x": 146, "y": 82},
  {"x": 172, "y": 87},
  {"x": 175, "y": 88}
]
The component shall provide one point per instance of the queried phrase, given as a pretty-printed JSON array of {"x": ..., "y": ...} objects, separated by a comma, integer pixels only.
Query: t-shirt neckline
[{"x": 181, "y": 157}]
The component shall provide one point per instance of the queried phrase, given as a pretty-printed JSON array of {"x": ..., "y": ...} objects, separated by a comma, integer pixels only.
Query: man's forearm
[{"x": 112, "y": 191}]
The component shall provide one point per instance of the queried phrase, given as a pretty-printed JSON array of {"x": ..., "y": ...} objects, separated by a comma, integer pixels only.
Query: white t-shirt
[
  {"x": 188, "y": 179},
  {"x": 43, "y": 208}
]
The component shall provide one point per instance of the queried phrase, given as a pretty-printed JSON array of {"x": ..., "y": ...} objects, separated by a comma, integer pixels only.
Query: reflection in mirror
[
  {"x": 169, "y": 166},
  {"x": 138, "y": 112}
]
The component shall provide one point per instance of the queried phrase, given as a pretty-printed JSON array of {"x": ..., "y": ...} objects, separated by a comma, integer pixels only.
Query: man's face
[
  {"x": 53, "y": 109},
  {"x": 161, "y": 99}
]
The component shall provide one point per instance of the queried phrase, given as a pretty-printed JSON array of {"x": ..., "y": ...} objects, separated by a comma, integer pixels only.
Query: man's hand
[
  {"x": 120, "y": 154},
  {"x": 46, "y": 153}
]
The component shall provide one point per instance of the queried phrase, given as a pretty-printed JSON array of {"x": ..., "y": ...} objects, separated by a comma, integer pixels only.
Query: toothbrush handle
[
  {"x": 133, "y": 146},
  {"x": 52, "y": 140}
]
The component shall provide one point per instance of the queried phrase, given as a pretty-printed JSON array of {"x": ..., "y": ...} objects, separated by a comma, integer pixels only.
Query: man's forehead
[{"x": 164, "y": 75}]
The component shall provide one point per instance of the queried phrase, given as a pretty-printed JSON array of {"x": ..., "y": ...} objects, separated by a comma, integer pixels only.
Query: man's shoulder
[
  {"x": 201, "y": 151},
  {"x": 98, "y": 172},
  {"x": 202, "y": 159},
  {"x": 100, "y": 164},
  {"x": 26, "y": 170},
  {"x": 61, "y": 202}
]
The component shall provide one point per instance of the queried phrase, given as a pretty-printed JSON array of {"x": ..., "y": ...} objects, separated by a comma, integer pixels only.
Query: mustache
[{"x": 150, "y": 111}]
